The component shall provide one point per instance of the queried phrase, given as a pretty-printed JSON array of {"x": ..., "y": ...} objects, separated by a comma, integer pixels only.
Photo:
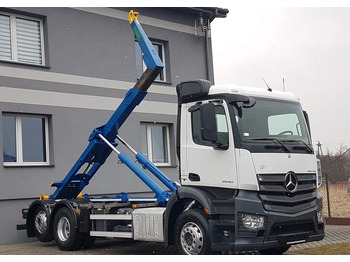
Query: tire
[
  {"x": 65, "y": 230},
  {"x": 41, "y": 225},
  {"x": 274, "y": 251},
  {"x": 191, "y": 234}
]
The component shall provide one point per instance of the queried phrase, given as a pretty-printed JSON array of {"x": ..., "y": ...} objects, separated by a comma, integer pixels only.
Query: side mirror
[{"x": 208, "y": 122}]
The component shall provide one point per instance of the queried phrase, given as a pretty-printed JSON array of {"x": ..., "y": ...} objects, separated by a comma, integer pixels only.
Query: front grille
[
  {"x": 294, "y": 228},
  {"x": 276, "y": 197}
]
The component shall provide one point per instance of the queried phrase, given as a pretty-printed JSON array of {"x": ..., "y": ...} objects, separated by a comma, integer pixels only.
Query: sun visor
[{"x": 191, "y": 90}]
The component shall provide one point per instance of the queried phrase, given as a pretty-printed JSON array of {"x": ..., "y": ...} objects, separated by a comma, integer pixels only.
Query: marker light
[{"x": 320, "y": 217}]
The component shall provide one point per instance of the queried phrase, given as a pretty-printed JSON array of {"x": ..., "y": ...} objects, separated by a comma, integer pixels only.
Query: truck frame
[{"x": 236, "y": 205}]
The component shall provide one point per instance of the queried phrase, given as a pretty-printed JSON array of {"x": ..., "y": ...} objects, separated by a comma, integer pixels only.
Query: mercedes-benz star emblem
[{"x": 291, "y": 182}]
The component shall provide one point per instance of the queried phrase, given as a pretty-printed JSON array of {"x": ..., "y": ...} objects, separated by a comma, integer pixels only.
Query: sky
[{"x": 308, "y": 47}]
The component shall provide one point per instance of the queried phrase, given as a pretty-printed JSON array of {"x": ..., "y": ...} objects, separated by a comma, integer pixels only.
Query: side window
[
  {"x": 221, "y": 124},
  {"x": 25, "y": 140},
  {"x": 155, "y": 143},
  {"x": 141, "y": 67}
]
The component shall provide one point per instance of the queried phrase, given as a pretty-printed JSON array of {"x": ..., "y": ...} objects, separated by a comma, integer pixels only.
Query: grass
[
  {"x": 339, "y": 199},
  {"x": 331, "y": 249}
]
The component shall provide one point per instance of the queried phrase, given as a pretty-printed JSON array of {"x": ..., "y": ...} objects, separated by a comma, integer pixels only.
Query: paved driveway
[
  {"x": 101, "y": 247},
  {"x": 334, "y": 234}
]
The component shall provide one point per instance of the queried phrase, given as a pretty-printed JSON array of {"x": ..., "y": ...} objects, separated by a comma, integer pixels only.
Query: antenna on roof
[
  {"x": 284, "y": 88},
  {"x": 268, "y": 88}
]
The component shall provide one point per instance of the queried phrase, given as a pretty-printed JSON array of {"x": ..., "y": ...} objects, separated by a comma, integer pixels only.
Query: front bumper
[{"x": 280, "y": 229}]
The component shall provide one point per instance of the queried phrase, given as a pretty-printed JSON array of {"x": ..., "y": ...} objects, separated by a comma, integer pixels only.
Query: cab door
[{"x": 207, "y": 159}]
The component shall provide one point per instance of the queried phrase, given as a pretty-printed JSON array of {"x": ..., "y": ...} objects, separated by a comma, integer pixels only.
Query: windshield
[{"x": 273, "y": 120}]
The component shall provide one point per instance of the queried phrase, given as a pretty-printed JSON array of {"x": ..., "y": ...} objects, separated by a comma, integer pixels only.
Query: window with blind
[{"x": 21, "y": 39}]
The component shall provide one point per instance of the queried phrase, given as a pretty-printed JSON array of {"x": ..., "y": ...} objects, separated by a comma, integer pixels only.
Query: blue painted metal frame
[
  {"x": 150, "y": 56},
  {"x": 161, "y": 194},
  {"x": 98, "y": 151},
  {"x": 156, "y": 171}
]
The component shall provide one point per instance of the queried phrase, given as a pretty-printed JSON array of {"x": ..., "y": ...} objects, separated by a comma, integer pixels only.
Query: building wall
[{"x": 90, "y": 56}]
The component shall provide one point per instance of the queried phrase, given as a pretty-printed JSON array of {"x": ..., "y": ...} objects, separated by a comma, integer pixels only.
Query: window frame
[
  {"x": 19, "y": 140},
  {"x": 13, "y": 38},
  {"x": 272, "y": 104},
  {"x": 149, "y": 142},
  {"x": 163, "y": 59}
]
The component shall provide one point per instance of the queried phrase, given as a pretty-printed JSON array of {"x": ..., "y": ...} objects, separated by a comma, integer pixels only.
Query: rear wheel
[
  {"x": 41, "y": 225},
  {"x": 192, "y": 233},
  {"x": 66, "y": 234}
]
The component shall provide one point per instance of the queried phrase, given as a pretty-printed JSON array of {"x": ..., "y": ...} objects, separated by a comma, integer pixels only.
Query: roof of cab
[{"x": 252, "y": 91}]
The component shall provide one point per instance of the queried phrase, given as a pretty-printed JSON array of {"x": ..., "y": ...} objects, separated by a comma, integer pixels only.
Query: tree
[{"x": 337, "y": 166}]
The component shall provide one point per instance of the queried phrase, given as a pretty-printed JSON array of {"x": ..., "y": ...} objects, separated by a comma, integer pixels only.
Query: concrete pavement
[{"x": 334, "y": 234}]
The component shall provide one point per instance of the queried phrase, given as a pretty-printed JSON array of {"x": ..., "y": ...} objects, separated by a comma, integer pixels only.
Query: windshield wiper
[
  {"x": 307, "y": 147},
  {"x": 275, "y": 140}
]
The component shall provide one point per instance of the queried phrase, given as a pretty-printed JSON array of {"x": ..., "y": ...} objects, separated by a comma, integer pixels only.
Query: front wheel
[
  {"x": 66, "y": 234},
  {"x": 192, "y": 233}
]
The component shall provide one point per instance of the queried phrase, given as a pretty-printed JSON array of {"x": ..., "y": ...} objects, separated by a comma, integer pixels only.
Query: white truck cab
[
  {"x": 270, "y": 136},
  {"x": 256, "y": 144}
]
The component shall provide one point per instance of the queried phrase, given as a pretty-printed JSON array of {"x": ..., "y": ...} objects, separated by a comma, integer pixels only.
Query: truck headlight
[{"x": 252, "y": 221}]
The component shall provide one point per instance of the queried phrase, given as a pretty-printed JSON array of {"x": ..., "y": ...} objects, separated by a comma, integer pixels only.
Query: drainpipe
[
  {"x": 210, "y": 14},
  {"x": 208, "y": 58},
  {"x": 207, "y": 47}
]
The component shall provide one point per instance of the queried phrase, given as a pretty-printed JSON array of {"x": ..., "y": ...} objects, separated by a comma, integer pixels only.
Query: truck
[{"x": 248, "y": 175}]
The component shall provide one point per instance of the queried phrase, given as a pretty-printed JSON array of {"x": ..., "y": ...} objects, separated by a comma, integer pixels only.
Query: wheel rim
[
  {"x": 41, "y": 222},
  {"x": 191, "y": 238},
  {"x": 63, "y": 229}
]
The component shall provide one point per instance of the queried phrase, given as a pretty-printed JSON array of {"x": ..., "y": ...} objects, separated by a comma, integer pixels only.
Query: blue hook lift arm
[{"x": 102, "y": 139}]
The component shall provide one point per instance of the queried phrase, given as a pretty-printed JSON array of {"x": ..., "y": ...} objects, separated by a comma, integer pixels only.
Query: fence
[{"x": 336, "y": 202}]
